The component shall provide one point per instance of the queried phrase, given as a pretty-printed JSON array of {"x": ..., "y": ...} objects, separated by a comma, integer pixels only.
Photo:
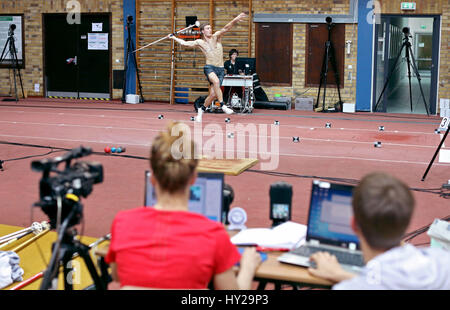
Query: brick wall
[
  {"x": 33, "y": 10},
  {"x": 298, "y": 89},
  {"x": 444, "y": 68}
]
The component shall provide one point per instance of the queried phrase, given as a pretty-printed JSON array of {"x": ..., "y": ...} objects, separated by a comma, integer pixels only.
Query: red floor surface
[{"x": 346, "y": 150}]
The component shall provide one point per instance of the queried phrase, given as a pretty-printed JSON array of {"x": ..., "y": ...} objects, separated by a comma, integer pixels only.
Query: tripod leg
[
  {"x": 4, "y": 49},
  {"x": 83, "y": 250},
  {"x": 18, "y": 70},
  {"x": 321, "y": 77},
  {"x": 125, "y": 70},
  {"x": 408, "y": 62},
  {"x": 137, "y": 73},
  {"x": 416, "y": 71},
  {"x": 327, "y": 59},
  {"x": 389, "y": 77},
  {"x": 67, "y": 267},
  {"x": 336, "y": 73},
  {"x": 435, "y": 154}
]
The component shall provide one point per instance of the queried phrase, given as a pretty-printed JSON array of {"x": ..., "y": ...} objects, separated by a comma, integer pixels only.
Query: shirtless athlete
[{"x": 211, "y": 46}]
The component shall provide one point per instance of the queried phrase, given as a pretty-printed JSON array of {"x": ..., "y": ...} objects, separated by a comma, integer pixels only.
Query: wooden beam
[
  {"x": 250, "y": 24},
  {"x": 172, "y": 21}
]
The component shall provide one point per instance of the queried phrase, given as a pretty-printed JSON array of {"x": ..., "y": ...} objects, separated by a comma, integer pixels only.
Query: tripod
[
  {"x": 408, "y": 52},
  {"x": 445, "y": 123},
  {"x": 130, "y": 49},
  {"x": 64, "y": 249},
  {"x": 329, "y": 56},
  {"x": 15, "y": 61}
]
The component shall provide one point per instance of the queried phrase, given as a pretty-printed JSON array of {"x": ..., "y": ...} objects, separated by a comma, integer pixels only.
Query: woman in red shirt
[{"x": 167, "y": 246}]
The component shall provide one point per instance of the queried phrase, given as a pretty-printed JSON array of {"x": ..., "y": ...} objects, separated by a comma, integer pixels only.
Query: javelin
[{"x": 197, "y": 24}]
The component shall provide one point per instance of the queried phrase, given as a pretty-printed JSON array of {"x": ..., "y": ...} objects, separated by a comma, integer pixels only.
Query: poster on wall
[
  {"x": 11, "y": 35},
  {"x": 98, "y": 41}
]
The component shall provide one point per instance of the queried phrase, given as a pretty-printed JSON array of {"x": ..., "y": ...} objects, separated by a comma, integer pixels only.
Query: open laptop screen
[
  {"x": 330, "y": 213},
  {"x": 206, "y": 195}
]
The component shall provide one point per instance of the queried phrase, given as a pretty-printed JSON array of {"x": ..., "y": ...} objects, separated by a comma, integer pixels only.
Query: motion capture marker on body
[
  {"x": 437, "y": 131},
  {"x": 276, "y": 123},
  {"x": 377, "y": 144},
  {"x": 230, "y": 135},
  {"x": 295, "y": 139},
  {"x": 328, "y": 125},
  {"x": 160, "y": 116},
  {"x": 192, "y": 118},
  {"x": 227, "y": 120},
  {"x": 381, "y": 128}
]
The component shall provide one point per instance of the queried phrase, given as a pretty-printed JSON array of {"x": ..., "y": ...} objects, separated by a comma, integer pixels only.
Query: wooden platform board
[{"x": 226, "y": 166}]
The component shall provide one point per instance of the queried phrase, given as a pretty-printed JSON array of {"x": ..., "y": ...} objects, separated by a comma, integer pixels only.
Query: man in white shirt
[{"x": 382, "y": 210}]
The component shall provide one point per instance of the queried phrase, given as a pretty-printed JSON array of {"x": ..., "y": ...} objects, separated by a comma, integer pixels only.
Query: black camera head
[
  {"x": 12, "y": 27},
  {"x": 406, "y": 31},
  {"x": 67, "y": 185},
  {"x": 129, "y": 19},
  {"x": 328, "y": 20}
]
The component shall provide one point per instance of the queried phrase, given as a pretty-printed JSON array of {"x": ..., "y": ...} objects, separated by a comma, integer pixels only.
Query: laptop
[
  {"x": 206, "y": 195},
  {"x": 329, "y": 228}
]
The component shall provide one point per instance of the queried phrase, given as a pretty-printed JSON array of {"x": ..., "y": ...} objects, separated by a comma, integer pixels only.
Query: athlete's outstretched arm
[
  {"x": 183, "y": 42},
  {"x": 230, "y": 24}
]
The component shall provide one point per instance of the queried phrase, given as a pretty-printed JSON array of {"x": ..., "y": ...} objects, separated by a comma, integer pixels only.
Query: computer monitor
[
  {"x": 247, "y": 65},
  {"x": 330, "y": 214},
  {"x": 206, "y": 195}
]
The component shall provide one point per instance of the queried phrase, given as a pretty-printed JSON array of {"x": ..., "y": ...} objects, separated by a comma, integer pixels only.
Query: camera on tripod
[
  {"x": 12, "y": 27},
  {"x": 67, "y": 185}
]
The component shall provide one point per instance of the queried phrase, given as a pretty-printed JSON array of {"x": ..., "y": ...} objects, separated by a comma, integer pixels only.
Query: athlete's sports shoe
[
  {"x": 227, "y": 109},
  {"x": 199, "y": 115}
]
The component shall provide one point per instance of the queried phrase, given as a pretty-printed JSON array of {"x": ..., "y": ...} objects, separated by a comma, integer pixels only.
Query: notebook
[
  {"x": 329, "y": 228},
  {"x": 206, "y": 195}
]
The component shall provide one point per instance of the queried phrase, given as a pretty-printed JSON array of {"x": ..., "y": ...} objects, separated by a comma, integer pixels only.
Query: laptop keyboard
[{"x": 355, "y": 259}]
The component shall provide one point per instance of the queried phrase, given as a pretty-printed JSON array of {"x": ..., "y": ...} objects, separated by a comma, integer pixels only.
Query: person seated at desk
[
  {"x": 168, "y": 247},
  {"x": 382, "y": 208},
  {"x": 231, "y": 68}
]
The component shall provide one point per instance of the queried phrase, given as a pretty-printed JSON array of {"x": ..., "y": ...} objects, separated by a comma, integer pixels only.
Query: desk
[
  {"x": 32, "y": 262},
  {"x": 246, "y": 81},
  {"x": 271, "y": 271}
]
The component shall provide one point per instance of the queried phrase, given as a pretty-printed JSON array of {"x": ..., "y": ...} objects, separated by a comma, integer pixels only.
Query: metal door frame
[{"x": 436, "y": 38}]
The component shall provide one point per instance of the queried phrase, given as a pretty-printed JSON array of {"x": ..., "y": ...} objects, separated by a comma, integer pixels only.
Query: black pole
[
  {"x": 419, "y": 79},
  {"x": 17, "y": 66},
  {"x": 408, "y": 62},
  {"x": 435, "y": 154},
  {"x": 126, "y": 62},
  {"x": 137, "y": 73}
]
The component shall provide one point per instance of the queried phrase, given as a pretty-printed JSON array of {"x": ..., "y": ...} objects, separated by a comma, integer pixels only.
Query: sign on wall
[{"x": 11, "y": 32}]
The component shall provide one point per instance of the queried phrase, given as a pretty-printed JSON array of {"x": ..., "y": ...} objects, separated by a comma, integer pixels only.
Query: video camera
[
  {"x": 11, "y": 29},
  {"x": 67, "y": 185}
]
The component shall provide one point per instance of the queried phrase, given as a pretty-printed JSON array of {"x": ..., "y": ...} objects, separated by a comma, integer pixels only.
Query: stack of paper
[{"x": 288, "y": 235}]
